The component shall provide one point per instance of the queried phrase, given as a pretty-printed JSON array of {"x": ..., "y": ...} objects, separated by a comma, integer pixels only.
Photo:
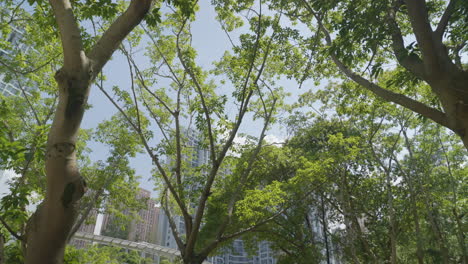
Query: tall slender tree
[{"x": 49, "y": 227}]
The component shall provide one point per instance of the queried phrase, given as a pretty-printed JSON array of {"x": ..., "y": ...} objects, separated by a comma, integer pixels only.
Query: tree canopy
[{"x": 371, "y": 95}]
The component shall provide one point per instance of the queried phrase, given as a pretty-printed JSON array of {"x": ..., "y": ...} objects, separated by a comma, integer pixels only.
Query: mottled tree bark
[{"x": 49, "y": 227}]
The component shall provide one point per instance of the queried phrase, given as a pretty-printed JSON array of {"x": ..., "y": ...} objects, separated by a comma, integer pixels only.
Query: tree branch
[
  {"x": 443, "y": 22},
  {"x": 30, "y": 70},
  {"x": 73, "y": 53},
  {"x": 411, "y": 62},
  {"x": 13, "y": 233},
  {"x": 142, "y": 81},
  {"x": 215, "y": 243},
  {"x": 172, "y": 224},
  {"x": 26, "y": 97},
  {"x": 400, "y": 99},
  {"x": 218, "y": 160},
  {"x": 92, "y": 203},
  {"x": 199, "y": 90},
  {"x": 153, "y": 156},
  {"x": 246, "y": 172},
  {"x": 120, "y": 28},
  {"x": 419, "y": 18}
]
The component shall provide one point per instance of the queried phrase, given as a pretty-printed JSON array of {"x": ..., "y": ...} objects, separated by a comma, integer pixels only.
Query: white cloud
[
  {"x": 273, "y": 139},
  {"x": 6, "y": 176}
]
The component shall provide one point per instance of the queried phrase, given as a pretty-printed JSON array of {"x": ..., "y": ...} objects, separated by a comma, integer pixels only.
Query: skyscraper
[
  {"x": 237, "y": 254},
  {"x": 89, "y": 226},
  {"x": 146, "y": 228},
  {"x": 140, "y": 230},
  {"x": 8, "y": 87}
]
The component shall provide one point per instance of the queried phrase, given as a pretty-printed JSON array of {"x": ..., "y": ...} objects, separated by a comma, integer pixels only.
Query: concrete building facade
[
  {"x": 145, "y": 229},
  {"x": 142, "y": 229}
]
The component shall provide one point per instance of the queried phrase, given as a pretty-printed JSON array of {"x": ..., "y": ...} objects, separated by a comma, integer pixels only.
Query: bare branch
[
  {"x": 172, "y": 224},
  {"x": 199, "y": 90},
  {"x": 150, "y": 152}
]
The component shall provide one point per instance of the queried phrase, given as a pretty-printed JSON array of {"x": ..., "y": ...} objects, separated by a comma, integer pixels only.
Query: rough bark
[{"x": 49, "y": 227}]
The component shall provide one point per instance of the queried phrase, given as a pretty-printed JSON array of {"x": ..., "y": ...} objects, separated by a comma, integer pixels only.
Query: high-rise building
[
  {"x": 146, "y": 228},
  {"x": 237, "y": 254},
  {"x": 90, "y": 226},
  {"x": 329, "y": 250},
  {"x": 143, "y": 229},
  {"x": 165, "y": 236},
  {"x": 8, "y": 87},
  {"x": 196, "y": 156}
]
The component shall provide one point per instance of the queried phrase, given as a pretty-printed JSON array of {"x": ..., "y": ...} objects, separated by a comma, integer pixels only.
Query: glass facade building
[{"x": 9, "y": 87}]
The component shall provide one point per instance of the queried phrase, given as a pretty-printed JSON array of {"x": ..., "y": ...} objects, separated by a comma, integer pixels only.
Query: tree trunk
[
  {"x": 49, "y": 227},
  {"x": 450, "y": 87},
  {"x": 438, "y": 233},
  {"x": 393, "y": 235},
  {"x": 461, "y": 236},
  {"x": 325, "y": 229},
  {"x": 354, "y": 222},
  {"x": 417, "y": 228},
  {"x": 2, "y": 249}
]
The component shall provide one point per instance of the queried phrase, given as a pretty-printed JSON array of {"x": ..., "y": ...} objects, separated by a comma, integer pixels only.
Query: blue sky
[{"x": 211, "y": 42}]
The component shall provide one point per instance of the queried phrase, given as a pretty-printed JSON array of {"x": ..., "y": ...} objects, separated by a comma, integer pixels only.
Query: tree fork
[{"x": 48, "y": 230}]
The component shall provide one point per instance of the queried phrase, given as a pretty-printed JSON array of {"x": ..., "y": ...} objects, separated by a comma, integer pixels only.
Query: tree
[
  {"x": 103, "y": 255},
  {"x": 399, "y": 180},
  {"x": 361, "y": 38},
  {"x": 293, "y": 232},
  {"x": 204, "y": 184},
  {"x": 112, "y": 184},
  {"x": 49, "y": 227}
]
